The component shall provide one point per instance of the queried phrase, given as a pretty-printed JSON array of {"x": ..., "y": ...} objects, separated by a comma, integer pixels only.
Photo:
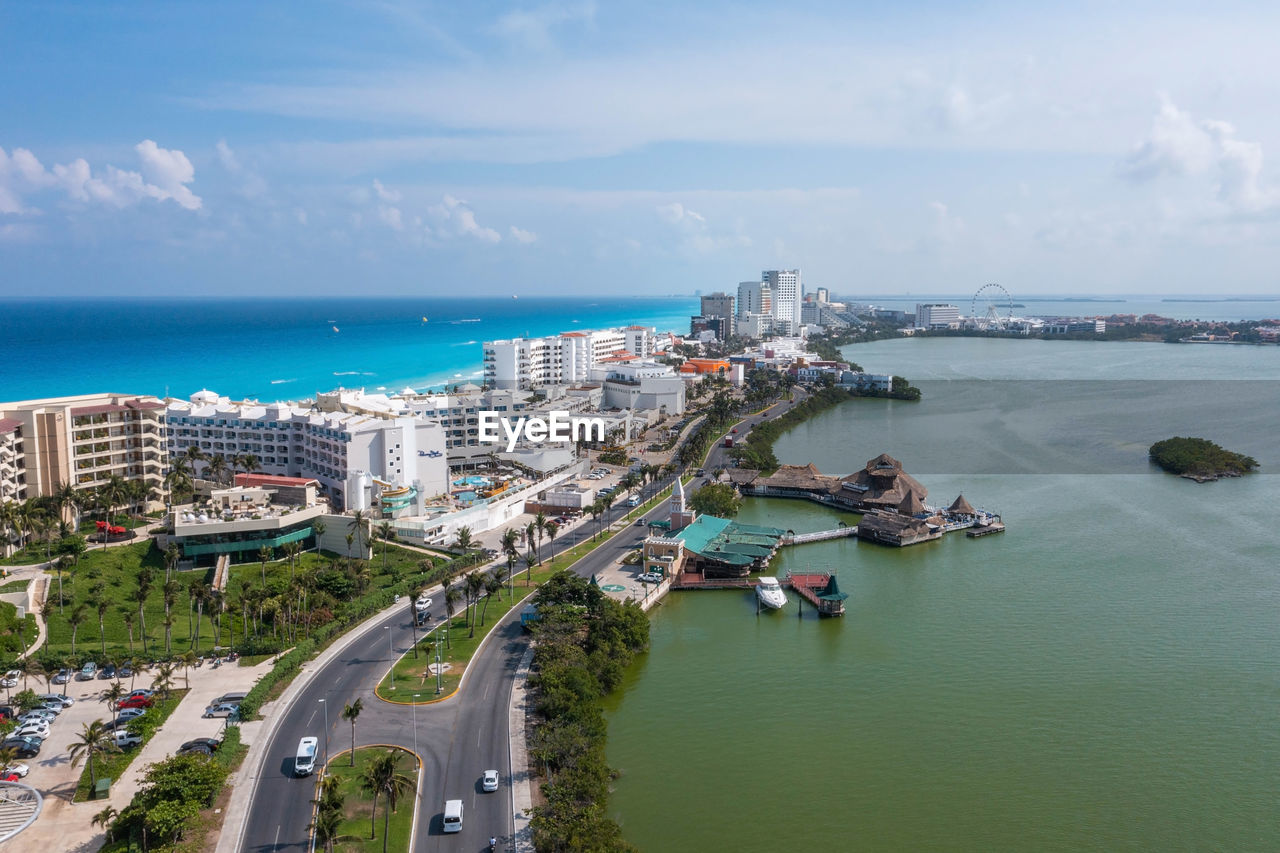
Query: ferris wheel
[{"x": 992, "y": 308}]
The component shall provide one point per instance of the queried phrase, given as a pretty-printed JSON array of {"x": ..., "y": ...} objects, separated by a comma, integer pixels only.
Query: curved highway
[{"x": 457, "y": 739}]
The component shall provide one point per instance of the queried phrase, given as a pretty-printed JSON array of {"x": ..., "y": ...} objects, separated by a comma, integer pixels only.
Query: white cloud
[
  {"x": 169, "y": 171},
  {"x": 454, "y": 216},
  {"x": 675, "y": 213},
  {"x": 251, "y": 184},
  {"x": 390, "y": 196},
  {"x": 391, "y": 217},
  {"x": 522, "y": 236},
  {"x": 167, "y": 174},
  {"x": 1178, "y": 144},
  {"x": 532, "y": 27}
]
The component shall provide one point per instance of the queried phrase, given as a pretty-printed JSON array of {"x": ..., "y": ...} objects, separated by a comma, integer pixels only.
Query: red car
[{"x": 135, "y": 702}]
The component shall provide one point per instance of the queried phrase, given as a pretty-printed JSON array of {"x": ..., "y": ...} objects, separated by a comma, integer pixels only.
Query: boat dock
[
  {"x": 819, "y": 589},
  {"x": 985, "y": 529},
  {"x": 697, "y": 580},
  {"x": 819, "y": 535}
]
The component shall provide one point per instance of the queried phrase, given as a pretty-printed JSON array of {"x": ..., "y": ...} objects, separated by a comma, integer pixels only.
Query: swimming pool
[{"x": 473, "y": 481}]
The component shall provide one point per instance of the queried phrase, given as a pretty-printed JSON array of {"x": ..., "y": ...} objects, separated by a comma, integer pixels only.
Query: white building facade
[
  {"x": 788, "y": 293},
  {"x": 937, "y": 315},
  {"x": 564, "y": 359},
  {"x": 293, "y": 441}
]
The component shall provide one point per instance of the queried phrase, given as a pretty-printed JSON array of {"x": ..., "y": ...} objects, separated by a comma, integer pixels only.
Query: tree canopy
[{"x": 1199, "y": 457}]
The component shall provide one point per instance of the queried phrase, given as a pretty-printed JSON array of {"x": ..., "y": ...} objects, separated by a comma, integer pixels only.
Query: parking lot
[{"x": 64, "y": 825}]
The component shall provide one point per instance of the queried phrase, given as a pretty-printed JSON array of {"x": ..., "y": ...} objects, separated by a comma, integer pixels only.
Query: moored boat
[{"x": 770, "y": 593}]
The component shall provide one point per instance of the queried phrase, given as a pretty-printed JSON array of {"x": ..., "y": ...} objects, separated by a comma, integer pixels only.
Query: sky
[{"x": 578, "y": 147}]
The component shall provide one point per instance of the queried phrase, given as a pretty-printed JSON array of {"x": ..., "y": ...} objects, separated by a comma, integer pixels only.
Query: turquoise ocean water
[{"x": 282, "y": 349}]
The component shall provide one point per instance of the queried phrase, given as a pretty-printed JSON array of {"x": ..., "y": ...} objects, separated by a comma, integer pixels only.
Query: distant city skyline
[{"x": 572, "y": 148}]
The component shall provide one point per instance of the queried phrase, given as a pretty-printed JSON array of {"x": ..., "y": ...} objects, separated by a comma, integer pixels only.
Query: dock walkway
[
  {"x": 819, "y": 535},
  {"x": 820, "y": 590}
]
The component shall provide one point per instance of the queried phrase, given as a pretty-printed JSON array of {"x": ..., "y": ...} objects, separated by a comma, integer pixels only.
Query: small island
[{"x": 1199, "y": 459}]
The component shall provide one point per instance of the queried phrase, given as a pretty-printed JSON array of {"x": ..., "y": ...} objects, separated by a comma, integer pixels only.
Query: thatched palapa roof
[{"x": 962, "y": 507}]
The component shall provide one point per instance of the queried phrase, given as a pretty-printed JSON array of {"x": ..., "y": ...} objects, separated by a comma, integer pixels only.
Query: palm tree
[
  {"x": 216, "y": 469},
  {"x": 172, "y": 555},
  {"x": 28, "y": 666},
  {"x": 75, "y": 620},
  {"x": 265, "y": 553},
  {"x": 349, "y": 713},
  {"x": 179, "y": 481},
  {"x": 551, "y": 529},
  {"x": 451, "y": 596},
  {"x": 94, "y": 740},
  {"x": 104, "y": 819},
  {"x": 462, "y": 539},
  {"x": 503, "y": 574},
  {"x": 328, "y": 821},
  {"x": 359, "y": 529},
  {"x": 113, "y": 694},
  {"x": 530, "y": 543},
  {"x": 163, "y": 682},
  {"x": 199, "y": 592},
  {"x": 395, "y": 786},
  {"x": 382, "y": 777},
  {"x": 103, "y": 606},
  {"x": 540, "y": 527},
  {"x": 492, "y": 585},
  {"x": 188, "y": 660},
  {"x": 475, "y": 586},
  {"x": 67, "y": 499},
  {"x": 317, "y": 530},
  {"x": 388, "y": 532},
  {"x": 140, "y": 596},
  {"x": 250, "y": 463}
]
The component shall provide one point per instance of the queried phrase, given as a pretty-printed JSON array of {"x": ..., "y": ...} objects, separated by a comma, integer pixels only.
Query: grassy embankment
[{"x": 111, "y": 575}]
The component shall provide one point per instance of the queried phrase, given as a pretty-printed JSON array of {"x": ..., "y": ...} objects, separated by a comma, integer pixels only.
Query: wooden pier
[
  {"x": 985, "y": 529},
  {"x": 818, "y": 535},
  {"x": 819, "y": 589},
  {"x": 697, "y": 580}
]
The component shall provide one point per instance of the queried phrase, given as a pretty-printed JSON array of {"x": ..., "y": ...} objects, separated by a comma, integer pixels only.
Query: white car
[
  {"x": 46, "y": 698},
  {"x": 124, "y": 739},
  {"x": 651, "y": 577},
  {"x": 10, "y": 678},
  {"x": 422, "y": 603},
  {"x": 20, "y": 769},
  {"x": 490, "y": 780},
  {"x": 39, "y": 715},
  {"x": 36, "y": 728}
]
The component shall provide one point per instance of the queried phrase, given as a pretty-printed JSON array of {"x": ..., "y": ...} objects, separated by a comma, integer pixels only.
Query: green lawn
[
  {"x": 11, "y": 641},
  {"x": 114, "y": 765},
  {"x": 359, "y": 805},
  {"x": 116, "y": 570},
  {"x": 15, "y": 586}
]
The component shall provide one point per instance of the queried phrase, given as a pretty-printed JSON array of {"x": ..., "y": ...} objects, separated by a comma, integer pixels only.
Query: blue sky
[{"x": 581, "y": 147}]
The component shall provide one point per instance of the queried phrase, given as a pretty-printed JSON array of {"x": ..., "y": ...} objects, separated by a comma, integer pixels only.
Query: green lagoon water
[{"x": 1103, "y": 676}]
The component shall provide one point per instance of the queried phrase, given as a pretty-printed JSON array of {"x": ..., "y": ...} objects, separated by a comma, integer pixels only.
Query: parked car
[
  {"x": 108, "y": 671},
  {"x": 66, "y": 701},
  {"x": 490, "y": 780},
  {"x": 19, "y": 769},
  {"x": 22, "y": 747},
  {"x": 198, "y": 749},
  {"x": 125, "y": 671},
  {"x": 209, "y": 743},
  {"x": 422, "y": 603},
  {"x": 222, "y": 709},
  {"x": 141, "y": 691},
  {"x": 125, "y": 740},
  {"x": 235, "y": 698},
  {"x": 651, "y": 577},
  {"x": 130, "y": 713},
  {"x": 6, "y": 712},
  {"x": 640, "y": 522},
  {"x": 88, "y": 672},
  {"x": 10, "y": 678},
  {"x": 136, "y": 702},
  {"x": 38, "y": 715},
  {"x": 35, "y": 728},
  {"x": 63, "y": 676}
]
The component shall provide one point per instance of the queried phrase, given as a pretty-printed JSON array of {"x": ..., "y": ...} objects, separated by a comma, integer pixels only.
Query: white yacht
[{"x": 770, "y": 593}]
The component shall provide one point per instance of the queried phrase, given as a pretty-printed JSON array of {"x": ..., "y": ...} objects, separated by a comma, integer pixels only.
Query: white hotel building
[
  {"x": 334, "y": 448},
  {"x": 564, "y": 359}
]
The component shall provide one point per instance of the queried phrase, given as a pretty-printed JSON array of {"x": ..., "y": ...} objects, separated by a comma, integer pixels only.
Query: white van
[
  {"x": 305, "y": 762},
  {"x": 453, "y": 815}
]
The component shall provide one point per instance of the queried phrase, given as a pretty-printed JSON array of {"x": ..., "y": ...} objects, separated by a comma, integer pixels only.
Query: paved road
[{"x": 457, "y": 739}]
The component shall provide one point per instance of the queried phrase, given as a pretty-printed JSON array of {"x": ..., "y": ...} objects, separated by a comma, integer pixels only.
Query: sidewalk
[{"x": 521, "y": 774}]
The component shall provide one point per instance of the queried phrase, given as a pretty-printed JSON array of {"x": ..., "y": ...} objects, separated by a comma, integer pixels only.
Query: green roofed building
[{"x": 721, "y": 548}]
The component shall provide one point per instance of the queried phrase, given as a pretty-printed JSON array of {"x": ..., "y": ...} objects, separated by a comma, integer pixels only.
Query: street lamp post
[
  {"x": 326, "y": 730},
  {"x": 415, "y": 723},
  {"x": 391, "y": 649}
]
